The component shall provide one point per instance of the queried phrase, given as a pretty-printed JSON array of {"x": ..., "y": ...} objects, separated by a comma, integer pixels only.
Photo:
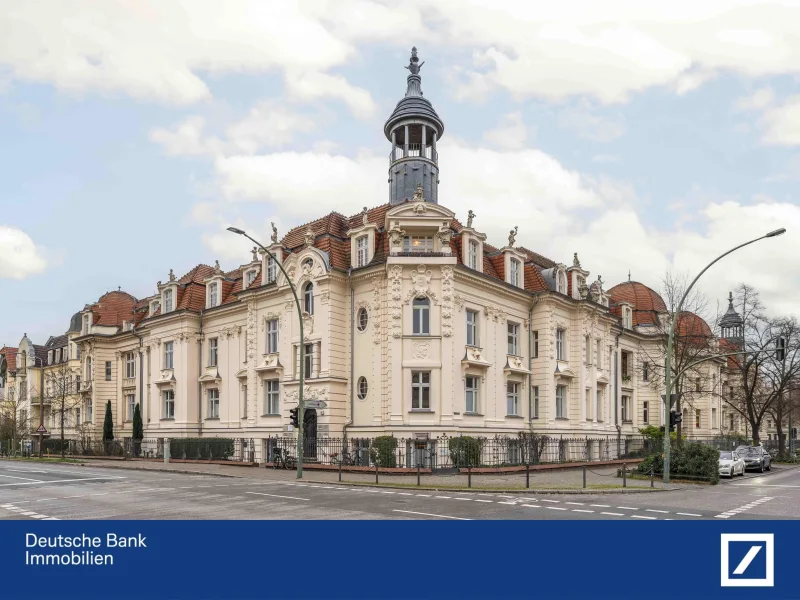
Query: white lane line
[
  {"x": 628, "y": 507},
  {"x": 62, "y": 481},
  {"x": 575, "y": 503},
  {"x": 663, "y": 512},
  {"x": 67, "y": 497},
  {"x": 398, "y": 493},
  {"x": 276, "y": 496},
  {"x": 424, "y": 495},
  {"x": 52, "y": 519},
  {"x": 553, "y": 501},
  {"x": 555, "y": 508},
  {"x": 643, "y": 517},
  {"x": 40, "y": 516},
  {"x": 411, "y": 512},
  {"x": 501, "y": 496},
  {"x": 600, "y": 505},
  {"x": 479, "y": 500},
  {"x": 102, "y": 494},
  {"x": 443, "y": 497},
  {"x": 532, "y": 505},
  {"x": 513, "y": 503},
  {"x": 23, "y": 478},
  {"x": 46, "y": 499},
  {"x": 27, "y": 513},
  {"x": 464, "y": 499},
  {"x": 767, "y": 485},
  {"x": 689, "y": 514},
  {"x": 582, "y": 510},
  {"x": 388, "y": 492},
  {"x": 612, "y": 514}
]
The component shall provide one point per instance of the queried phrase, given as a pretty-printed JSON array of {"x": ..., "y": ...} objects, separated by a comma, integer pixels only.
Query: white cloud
[
  {"x": 19, "y": 256},
  {"x": 187, "y": 138},
  {"x": 582, "y": 120},
  {"x": 758, "y": 100},
  {"x": 510, "y": 133},
  {"x": 781, "y": 124},
  {"x": 313, "y": 86}
]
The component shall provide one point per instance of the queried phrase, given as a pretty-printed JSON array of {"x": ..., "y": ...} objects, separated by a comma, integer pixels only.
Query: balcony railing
[{"x": 414, "y": 150}]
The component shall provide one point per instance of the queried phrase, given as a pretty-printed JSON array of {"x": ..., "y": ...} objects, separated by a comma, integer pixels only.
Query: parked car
[
  {"x": 730, "y": 464},
  {"x": 755, "y": 457}
]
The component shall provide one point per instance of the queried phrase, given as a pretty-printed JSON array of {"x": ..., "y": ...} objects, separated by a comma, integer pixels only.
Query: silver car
[
  {"x": 730, "y": 464},
  {"x": 755, "y": 457}
]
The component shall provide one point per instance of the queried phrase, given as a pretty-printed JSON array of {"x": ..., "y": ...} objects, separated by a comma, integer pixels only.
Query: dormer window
[
  {"x": 168, "y": 302},
  {"x": 361, "y": 251},
  {"x": 561, "y": 282},
  {"x": 473, "y": 255},
  {"x": 250, "y": 277},
  {"x": 627, "y": 317},
  {"x": 58, "y": 355},
  {"x": 49, "y": 357},
  {"x": 417, "y": 243},
  {"x": 154, "y": 306},
  {"x": 514, "y": 270},
  {"x": 85, "y": 324},
  {"x": 213, "y": 294},
  {"x": 272, "y": 270}
]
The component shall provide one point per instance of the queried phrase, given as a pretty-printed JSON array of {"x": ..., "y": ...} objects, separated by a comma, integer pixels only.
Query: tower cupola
[
  {"x": 731, "y": 324},
  {"x": 413, "y": 128}
]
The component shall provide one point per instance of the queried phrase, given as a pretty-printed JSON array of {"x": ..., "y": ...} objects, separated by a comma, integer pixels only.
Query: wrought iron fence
[
  {"x": 452, "y": 452},
  {"x": 228, "y": 449},
  {"x": 721, "y": 442}
]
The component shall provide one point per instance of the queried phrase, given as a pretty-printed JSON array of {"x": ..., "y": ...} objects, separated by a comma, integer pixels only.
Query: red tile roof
[
  {"x": 646, "y": 303},
  {"x": 11, "y": 357},
  {"x": 112, "y": 309}
]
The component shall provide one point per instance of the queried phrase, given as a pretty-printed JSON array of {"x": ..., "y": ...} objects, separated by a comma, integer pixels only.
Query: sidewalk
[{"x": 598, "y": 479}]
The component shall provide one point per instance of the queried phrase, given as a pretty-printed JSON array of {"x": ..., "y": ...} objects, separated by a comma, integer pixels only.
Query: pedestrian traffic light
[
  {"x": 675, "y": 419},
  {"x": 293, "y": 417},
  {"x": 780, "y": 348}
]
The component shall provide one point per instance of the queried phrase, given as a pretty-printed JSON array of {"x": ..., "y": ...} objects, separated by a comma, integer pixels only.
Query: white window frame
[
  {"x": 421, "y": 316},
  {"x": 513, "y": 272},
  {"x": 513, "y": 339},
  {"x": 272, "y": 397},
  {"x": 362, "y": 388},
  {"x": 130, "y": 365},
  {"x": 108, "y": 370},
  {"x": 625, "y": 408},
  {"x": 472, "y": 251},
  {"x": 272, "y": 336},
  {"x": 418, "y": 390},
  {"x": 362, "y": 251},
  {"x": 213, "y": 294},
  {"x": 213, "y": 352},
  {"x": 472, "y": 328},
  {"x": 536, "y": 402},
  {"x": 512, "y": 398},
  {"x": 471, "y": 394},
  {"x": 89, "y": 408},
  {"x": 168, "y": 301},
  {"x": 308, "y": 360},
  {"x": 646, "y": 412},
  {"x": 598, "y": 410},
  {"x": 251, "y": 277},
  {"x": 169, "y": 355},
  {"x": 49, "y": 357},
  {"x": 272, "y": 269},
  {"x": 362, "y": 319},
  {"x": 561, "y": 402},
  {"x": 535, "y": 344},
  {"x": 308, "y": 298},
  {"x": 588, "y": 402},
  {"x": 168, "y": 401},
  {"x": 213, "y": 403},
  {"x": 130, "y": 405},
  {"x": 418, "y": 244},
  {"x": 560, "y": 349}
]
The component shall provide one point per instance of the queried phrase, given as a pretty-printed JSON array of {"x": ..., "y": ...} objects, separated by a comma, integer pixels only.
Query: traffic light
[
  {"x": 780, "y": 348},
  {"x": 675, "y": 418},
  {"x": 293, "y": 417}
]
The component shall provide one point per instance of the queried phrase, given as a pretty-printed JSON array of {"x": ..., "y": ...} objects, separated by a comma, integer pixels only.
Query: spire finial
[
  {"x": 512, "y": 236},
  {"x": 413, "y": 67},
  {"x": 629, "y": 275},
  {"x": 730, "y": 299},
  {"x": 274, "y": 233},
  {"x": 470, "y": 215},
  {"x": 575, "y": 261},
  {"x": 255, "y": 253}
]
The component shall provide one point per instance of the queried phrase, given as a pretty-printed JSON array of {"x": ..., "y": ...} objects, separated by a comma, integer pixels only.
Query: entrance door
[{"x": 310, "y": 433}]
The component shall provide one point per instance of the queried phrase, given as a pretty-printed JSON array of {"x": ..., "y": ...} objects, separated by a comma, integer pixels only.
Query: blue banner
[{"x": 398, "y": 559}]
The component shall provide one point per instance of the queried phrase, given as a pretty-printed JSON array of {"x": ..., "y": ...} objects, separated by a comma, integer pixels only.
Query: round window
[
  {"x": 308, "y": 263},
  {"x": 363, "y": 319},
  {"x": 363, "y": 388}
]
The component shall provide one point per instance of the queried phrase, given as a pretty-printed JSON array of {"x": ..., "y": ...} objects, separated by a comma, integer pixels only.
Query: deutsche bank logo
[{"x": 748, "y": 560}]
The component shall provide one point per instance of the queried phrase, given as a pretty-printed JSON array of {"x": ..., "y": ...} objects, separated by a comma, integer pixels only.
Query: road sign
[
  {"x": 41, "y": 429},
  {"x": 672, "y": 398},
  {"x": 315, "y": 404}
]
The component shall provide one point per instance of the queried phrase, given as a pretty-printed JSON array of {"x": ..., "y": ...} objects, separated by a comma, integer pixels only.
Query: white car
[{"x": 730, "y": 464}]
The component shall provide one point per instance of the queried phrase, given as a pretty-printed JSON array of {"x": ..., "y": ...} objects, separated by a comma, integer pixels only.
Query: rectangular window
[
  {"x": 361, "y": 251},
  {"x": 167, "y": 301},
  {"x": 421, "y": 313},
  {"x": 154, "y": 308},
  {"x": 130, "y": 404},
  {"x": 598, "y": 410},
  {"x": 472, "y": 328},
  {"x": 50, "y": 357},
  {"x": 625, "y": 365},
  {"x": 513, "y": 277},
  {"x": 212, "y": 352},
  {"x": 513, "y": 339},
  {"x": 587, "y": 356},
  {"x": 89, "y": 411},
  {"x": 251, "y": 277},
  {"x": 626, "y": 409},
  {"x": 108, "y": 370},
  {"x": 168, "y": 362},
  {"x": 244, "y": 400},
  {"x": 308, "y": 360},
  {"x": 512, "y": 398},
  {"x": 645, "y": 412},
  {"x": 535, "y": 344},
  {"x": 473, "y": 254},
  {"x": 213, "y": 295},
  {"x": 471, "y": 394},
  {"x": 421, "y": 390},
  {"x": 213, "y": 404},
  {"x": 646, "y": 371},
  {"x": 77, "y": 416},
  {"x": 697, "y": 419},
  {"x": 714, "y": 418},
  {"x": 598, "y": 356},
  {"x": 560, "y": 353},
  {"x": 77, "y": 383},
  {"x": 169, "y": 404},
  {"x": 731, "y": 423},
  {"x": 130, "y": 366},
  {"x": 697, "y": 385},
  {"x": 272, "y": 391},
  {"x": 588, "y": 404},
  {"x": 415, "y": 243},
  {"x": 536, "y": 402},
  {"x": 272, "y": 270},
  {"x": 272, "y": 336},
  {"x": 561, "y": 402}
]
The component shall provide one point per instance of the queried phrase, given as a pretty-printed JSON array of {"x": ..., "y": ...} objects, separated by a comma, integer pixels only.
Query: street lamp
[
  {"x": 300, "y": 403},
  {"x": 41, "y": 402},
  {"x": 670, "y": 340}
]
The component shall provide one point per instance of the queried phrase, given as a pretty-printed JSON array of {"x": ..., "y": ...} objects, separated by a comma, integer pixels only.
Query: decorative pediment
[
  {"x": 167, "y": 377},
  {"x": 473, "y": 357},
  {"x": 516, "y": 365},
  {"x": 419, "y": 211},
  {"x": 421, "y": 280},
  {"x": 241, "y": 374},
  {"x": 564, "y": 372},
  {"x": 210, "y": 374},
  {"x": 270, "y": 364},
  {"x": 602, "y": 380}
]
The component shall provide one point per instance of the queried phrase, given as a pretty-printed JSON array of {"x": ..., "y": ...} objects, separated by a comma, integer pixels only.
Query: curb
[{"x": 181, "y": 471}]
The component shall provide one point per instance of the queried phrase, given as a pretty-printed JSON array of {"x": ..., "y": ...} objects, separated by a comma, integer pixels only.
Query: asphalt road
[{"x": 53, "y": 491}]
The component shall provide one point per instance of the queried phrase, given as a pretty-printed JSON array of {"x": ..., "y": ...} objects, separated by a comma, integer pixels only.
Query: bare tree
[
  {"x": 61, "y": 388},
  {"x": 13, "y": 420}
]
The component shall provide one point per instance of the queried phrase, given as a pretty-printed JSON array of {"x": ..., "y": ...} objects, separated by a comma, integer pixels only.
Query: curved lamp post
[
  {"x": 300, "y": 403},
  {"x": 670, "y": 341}
]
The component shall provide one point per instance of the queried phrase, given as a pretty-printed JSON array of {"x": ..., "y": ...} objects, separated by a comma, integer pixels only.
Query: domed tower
[
  {"x": 731, "y": 324},
  {"x": 413, "y": 128}
]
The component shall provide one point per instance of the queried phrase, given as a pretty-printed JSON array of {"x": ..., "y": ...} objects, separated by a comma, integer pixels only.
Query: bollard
[
  {"x": 651, "y": 476},
  {"x": 418, "y": 470},
  {"x": 376, "y": 472},
  {"x": 469, "y": 476},
  {"x": 340, "y": 470},
  {"x": 624, "y": 476},
  {"x": 528, "y": 475},
  {"x": 166, "y": 450},
  {"x": 584, "y": 476}
]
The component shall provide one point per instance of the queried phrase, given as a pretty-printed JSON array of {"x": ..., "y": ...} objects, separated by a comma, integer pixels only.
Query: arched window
[
  {"x": 363, "y": 318},
  {"x": 422, "y": 316},
  {"x": 308, "y": 298},
  {"x": 363, "y": 388}
]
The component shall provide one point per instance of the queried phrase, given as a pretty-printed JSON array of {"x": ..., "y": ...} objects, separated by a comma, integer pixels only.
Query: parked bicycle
[
  {"x": 282, "y": 460},
  {"x": 346, "y": 460}
]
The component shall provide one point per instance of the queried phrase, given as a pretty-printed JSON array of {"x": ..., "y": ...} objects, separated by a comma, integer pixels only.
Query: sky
[{"x": 645, "y": 136}]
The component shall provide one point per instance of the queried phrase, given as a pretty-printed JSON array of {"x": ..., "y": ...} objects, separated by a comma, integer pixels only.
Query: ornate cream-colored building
[{"x": 413, "y": 323}]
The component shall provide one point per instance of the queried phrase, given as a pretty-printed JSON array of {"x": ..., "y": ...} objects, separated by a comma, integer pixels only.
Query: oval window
[
  {"x": 308, "y": 263},
  {"x": 363, "y": 319},
  {"x": 363, "y": 388}
]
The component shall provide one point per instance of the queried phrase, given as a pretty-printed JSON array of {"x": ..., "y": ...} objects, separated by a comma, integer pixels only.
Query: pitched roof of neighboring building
[
  {"x": 11, "y": 357},
  {"x": 56, "y": 341},
  {"x": 646, "y": 302},
  {"x": 112, "y": 309}
]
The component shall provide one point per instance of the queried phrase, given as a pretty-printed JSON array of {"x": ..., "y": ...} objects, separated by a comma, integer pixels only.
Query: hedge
[
  {"x": 465, "y": 451},
  {"x": 383, "y": 451},
  {"x": 690, "y": 458},
  {"x": 201, "y": 448}
]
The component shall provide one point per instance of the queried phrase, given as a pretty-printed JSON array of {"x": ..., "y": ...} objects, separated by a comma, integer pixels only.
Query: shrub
[
  {"x": 465, "y": 451},
  {"x": 201, "y": 448},
  {"x": 383, "y": 450},
  {"x": 689, "y": 459}
]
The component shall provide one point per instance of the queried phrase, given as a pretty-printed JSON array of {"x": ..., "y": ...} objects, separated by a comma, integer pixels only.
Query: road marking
[
  {"x": 628, "y": 507},
  {"x": 276, "y": 496},
  {"x": 388, "y": 492},
  {"x": 663, "y": 512},
  {"x": 443, "y": 497},
  {"x": 23, "y": 478},
  {"x": 689, "y": 514},
  {"x": 424, "y": 495},
  {"x": 575, "y": 503},
  {"x": 465, "y": 499},
  {"x": 63, "y": 480},
  {"x": 411, "y": 512},
  {"x": 612, "y": 514},
  {"x": 554, "y": 501},
  {"x": 643, "y": 517},
  {"x": 530, "y": 505},
  {"x": 582, "y": 510},
  {"x": 46, "y": 499},
  {"x": 767, "y": 485},
  {"x": 722, "y": 516},
  {"x": 398, "y": 493},
  {"x": 479, "y": 500},
  {"x": 555, "y": 508},
  {"x": 600, "y": 505},
  {"x": 513, "y": 503}
]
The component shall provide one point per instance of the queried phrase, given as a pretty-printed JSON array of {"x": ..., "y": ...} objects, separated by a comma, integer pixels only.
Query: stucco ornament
[
  {"x": 270, "y": 316},
  {"x": 512, "y": 236},
  {"x": 413, "y": 67},
  {"x": 495, "y": 313},
  {"x": 418, "y": 194},
  {"x": 396, "y": 236},
  {"x": 421, "y": 280},
  {"x": 364, "y": 216},
  {"x": 309, "y": 393},
  {"x": 420, "y": 350},
  {"x": 255, "y": 253},
  {"x": 447, "y": 301},
  {"x": 470, "y": 215},
  {"x": 575, "y": 261},
  {"x": 309, "y": 237},
  {"x": 376, "y": 307},
  {"x": 445, "y": 234},
  {"x": 396, "y": 277},
  {"x": 172, "y": 275},
  {"x": 274, "y": 236}
]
